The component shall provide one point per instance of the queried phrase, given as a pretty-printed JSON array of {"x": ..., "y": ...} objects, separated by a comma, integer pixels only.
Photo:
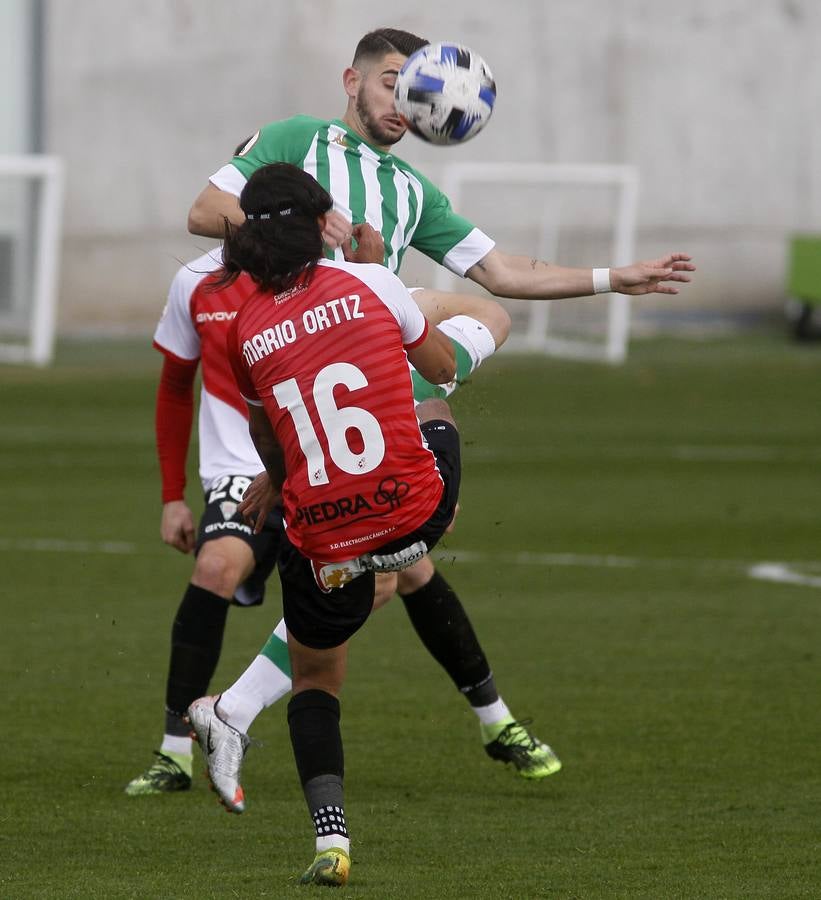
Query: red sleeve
[
  {"x": 421, "y": 337},
  {"x": 241, "y": 375},
  {"x": 172, "y": 422}
]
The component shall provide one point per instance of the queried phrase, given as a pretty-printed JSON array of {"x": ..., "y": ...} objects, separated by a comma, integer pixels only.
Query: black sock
[
  {"x": 196, "y": 642},
  {"x": 443, "y": 626},
  {"x": 313, "y": 719}
]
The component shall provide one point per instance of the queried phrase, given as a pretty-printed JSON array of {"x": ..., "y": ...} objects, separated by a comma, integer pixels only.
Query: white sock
[
  {"x": 260, "y": 685},
  {"x": 492, "y": 713},
  {"x": 171, "y": 743},
  {"x": 333, "y": 840}
]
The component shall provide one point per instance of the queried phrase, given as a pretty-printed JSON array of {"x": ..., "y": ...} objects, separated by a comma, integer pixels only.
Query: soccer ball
[{"x": 445, "y": 93}]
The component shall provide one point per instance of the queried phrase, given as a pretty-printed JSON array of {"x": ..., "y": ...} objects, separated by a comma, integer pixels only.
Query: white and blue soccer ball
[{"x": 445, "y": 93}]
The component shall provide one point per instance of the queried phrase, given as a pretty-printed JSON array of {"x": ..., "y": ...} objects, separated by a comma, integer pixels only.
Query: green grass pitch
[{"x": 610, "y": 521}]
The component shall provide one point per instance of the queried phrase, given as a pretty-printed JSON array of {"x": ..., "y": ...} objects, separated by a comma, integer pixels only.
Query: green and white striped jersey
[{"x": 367, "y": 185}]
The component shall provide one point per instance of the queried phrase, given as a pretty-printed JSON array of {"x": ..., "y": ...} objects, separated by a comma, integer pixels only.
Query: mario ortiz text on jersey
[{"x": 319, "y": 318}]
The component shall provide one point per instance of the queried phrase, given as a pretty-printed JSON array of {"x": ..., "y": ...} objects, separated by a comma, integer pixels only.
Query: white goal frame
[
  {"x": 625, "y": 179},
  {"x": 49, "y": 171}
]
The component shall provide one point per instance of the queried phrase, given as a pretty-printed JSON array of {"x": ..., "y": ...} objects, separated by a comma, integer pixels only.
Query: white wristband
[{"x": 601, "y": 281}]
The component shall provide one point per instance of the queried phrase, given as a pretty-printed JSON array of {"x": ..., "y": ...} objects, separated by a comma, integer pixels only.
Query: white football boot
[{"x": 223, "y": 748}]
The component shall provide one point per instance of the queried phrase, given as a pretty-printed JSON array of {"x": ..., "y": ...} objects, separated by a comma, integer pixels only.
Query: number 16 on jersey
[{"x": 335, "y": 422}]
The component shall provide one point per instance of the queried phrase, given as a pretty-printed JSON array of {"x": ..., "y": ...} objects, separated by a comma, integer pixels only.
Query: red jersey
[{"x": 327, "y": 361}]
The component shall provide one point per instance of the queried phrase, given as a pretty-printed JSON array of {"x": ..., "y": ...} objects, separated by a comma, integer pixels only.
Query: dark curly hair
[{"x": 280, "y": 239}]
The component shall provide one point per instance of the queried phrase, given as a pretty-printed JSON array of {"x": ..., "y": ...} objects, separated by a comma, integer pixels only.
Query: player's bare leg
[
  {"x": 385, "y": 589},
  {"x": 476, "y": 327},
  {"x": 440, "y": 305}
]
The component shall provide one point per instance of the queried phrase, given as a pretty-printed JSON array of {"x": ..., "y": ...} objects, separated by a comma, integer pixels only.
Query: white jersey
[{"x": 194, "y": 325}]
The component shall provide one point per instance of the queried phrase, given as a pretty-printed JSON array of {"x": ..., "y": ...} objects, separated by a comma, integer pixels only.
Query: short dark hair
[
  {"x": 387, "y": 40},
  {"x": 280, "y": 238}
]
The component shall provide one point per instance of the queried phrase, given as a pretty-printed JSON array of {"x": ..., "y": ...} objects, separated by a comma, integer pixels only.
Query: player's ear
[{"x": 351, "y": 79}]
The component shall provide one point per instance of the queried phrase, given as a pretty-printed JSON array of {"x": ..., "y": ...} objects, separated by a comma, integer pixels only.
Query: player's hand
[
  {"x": 177, "y": 526},
  {"x": 370, "y": 247},
  {"x": 337, "y": 229},
  {"x": 653, "y": 277},
  {"x": 258, "y": 501}
]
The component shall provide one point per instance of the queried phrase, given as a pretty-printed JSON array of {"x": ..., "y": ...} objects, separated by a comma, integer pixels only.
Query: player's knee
[
  {"x": 218, "y": 570},
  {"x": 386, "y": 586},
  {"x": 434, "y": 408},
  {"x": 317, "y": 670},
  {"x": 415, "y": 577},
  {"x": 497, "y": 321}
]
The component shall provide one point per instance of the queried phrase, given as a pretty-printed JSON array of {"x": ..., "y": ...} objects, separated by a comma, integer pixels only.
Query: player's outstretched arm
[
  {"x": 527, "y": 278},
  {"x": 210, "y": 210},
  {"x": 657, "y": 276}
]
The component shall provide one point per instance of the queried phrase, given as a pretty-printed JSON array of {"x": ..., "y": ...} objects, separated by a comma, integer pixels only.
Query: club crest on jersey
[
  {"x": 338, "y": 577},
  {"x": 228, "y": 509},
  {"x": 391, "y": 491}
]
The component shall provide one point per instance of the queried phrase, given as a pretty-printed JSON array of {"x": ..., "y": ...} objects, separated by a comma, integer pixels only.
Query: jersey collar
[{"x": 355, "y": 136}]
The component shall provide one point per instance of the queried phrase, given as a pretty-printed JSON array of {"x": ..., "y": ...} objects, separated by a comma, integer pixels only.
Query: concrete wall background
[{"x": 717, "y": 101}]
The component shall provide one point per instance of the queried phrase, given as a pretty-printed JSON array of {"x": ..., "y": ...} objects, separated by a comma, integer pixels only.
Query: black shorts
[
  {"x": 321, "y": 619},
  {"x": 314, "y": 617},
  {"x": 443, "y": 441},
  {"x": 221, "y": 519}
]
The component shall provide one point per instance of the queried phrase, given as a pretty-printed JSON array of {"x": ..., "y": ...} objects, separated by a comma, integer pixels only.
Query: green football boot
[
  {"x": 509, "y": 741},
  {"x": 170, "y": 772},
  {"x": 330, "y": 868}
]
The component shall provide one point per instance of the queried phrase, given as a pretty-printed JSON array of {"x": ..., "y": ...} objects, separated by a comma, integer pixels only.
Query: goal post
[
  {"x": 562, "y": 211},
  {"x": 31, "y": 206}
]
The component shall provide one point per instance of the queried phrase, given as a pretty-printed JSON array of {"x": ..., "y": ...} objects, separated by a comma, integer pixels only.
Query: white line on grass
[
  {"x": 779, "y": 572},
  {"x": 782, "y": 573},
  {"x": 590, "y": 561},
  {"x": 56, "y": 545},
  {"x": 739, "y": 454},
  {"x": 43, "y": 435},
  {"x": 704, "y": 453}
]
